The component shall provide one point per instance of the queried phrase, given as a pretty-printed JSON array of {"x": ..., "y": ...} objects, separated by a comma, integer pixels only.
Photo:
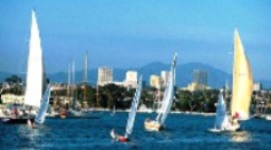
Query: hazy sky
[{"x": 132, "y": 33}]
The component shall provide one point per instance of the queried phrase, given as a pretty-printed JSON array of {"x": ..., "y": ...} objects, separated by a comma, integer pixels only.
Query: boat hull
[
  {"x": 118, "y": 137},
  {"x": 16, "y": 120},
  {"x": 230, "y": 128},
  {"x": 151, "y": 125}
]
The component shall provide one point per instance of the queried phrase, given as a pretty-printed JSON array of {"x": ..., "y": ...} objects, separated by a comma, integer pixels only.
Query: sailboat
[
  {"x": 159, "y": 123},
  {"x": 35, "y": 81},
  {"x": 221, "y": 120},
  {"x": 72, "y": 111},
  {"x": 242, "y": 88},
  {"x": 131, "y": 118}
]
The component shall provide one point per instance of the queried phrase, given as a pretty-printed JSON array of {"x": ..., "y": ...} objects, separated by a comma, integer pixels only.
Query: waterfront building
[
  {"x": 131, "y": 79},
  {"x": 200, "y": 77},
  {"x": 164, "y": 78},
  {"x": 155, "y": 81},
  {"x": 200, "y": 81},
  {"x": 105, "y": 76},
  {"x": 257, "y": 86},
  {"x": 12, "y": 98}
]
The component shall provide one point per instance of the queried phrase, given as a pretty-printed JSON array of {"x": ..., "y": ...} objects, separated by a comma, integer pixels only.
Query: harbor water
[{"x": 183, "y": 131}]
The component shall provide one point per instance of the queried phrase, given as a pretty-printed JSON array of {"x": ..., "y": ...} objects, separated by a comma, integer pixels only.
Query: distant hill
[
  {"x": 216, "y": 77},
  {"x": 184, "y": 74}
]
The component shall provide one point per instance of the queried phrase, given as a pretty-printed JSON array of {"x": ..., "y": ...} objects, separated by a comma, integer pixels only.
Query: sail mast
[
  {"x": 73, "y": 84},
  {"x": 85, "y": 80}
]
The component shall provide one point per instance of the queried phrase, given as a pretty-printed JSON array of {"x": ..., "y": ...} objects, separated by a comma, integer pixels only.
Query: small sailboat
[
  {"x": 72, "y": 111},
  {"x": 131, "y": 118},
  {"x": 242, "y": 88},
  {"x": 221, "y": 120},
  {"x": 159, "y": 122},
  {"x": 35, "y": 81}
]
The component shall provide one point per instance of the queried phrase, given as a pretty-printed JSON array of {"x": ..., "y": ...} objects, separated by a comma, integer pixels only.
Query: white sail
[
  {"x": 134, "y": 105},
  {"x": 242, "y": 87},
  {"x": 35, "y": 77},
  {"x": 40, "y": 118},
  {"x": 221, "y": 121},
  {"x": 168, "y": 95}
]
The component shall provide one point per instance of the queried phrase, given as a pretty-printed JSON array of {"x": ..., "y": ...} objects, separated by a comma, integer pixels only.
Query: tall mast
[
  {"x": 69, "y": 84},
  {"x": 73, "y": 84},
  {"x": 85, "y": 80}
]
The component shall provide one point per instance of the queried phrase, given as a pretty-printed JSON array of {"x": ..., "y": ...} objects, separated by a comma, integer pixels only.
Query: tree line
[{"x": 113, "y": 96}]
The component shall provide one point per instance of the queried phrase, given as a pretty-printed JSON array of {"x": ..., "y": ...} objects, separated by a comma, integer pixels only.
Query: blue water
[{"x": 182, "y": 132}]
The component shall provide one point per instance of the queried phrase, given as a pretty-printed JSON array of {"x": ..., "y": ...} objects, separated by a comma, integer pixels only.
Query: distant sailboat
[
  {"x": 35, "y": 81},
  {"x": 132, "y": 115},
  {"x": 221, "y": 120},
  {"x": 159, "y": 122},
  {"x": 242, "y": 87},
  {"x": 74, "y": 110}
]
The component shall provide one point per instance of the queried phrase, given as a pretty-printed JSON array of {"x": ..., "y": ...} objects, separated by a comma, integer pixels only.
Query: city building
[
  {"x": 200, "y": 77},
  {"x": 131, "y": 79},
  {"x": 105, "y": 76},
  {"x": 155, "y": 81},
  {"x": 164, "y": 78},
  {"x": 11, "y": 99},
  {"x": 257, "y": 86},
  {"x": 200, "y": 81}
]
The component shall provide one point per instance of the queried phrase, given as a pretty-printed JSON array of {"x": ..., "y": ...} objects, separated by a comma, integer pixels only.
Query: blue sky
[{"x": 123, "y": 34}]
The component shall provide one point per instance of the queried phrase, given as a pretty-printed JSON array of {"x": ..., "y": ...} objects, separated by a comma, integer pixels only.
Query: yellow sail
[{"x": 242, "y": 81}]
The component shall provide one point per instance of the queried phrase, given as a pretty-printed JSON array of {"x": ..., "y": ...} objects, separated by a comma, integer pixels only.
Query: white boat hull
[
  {"x": 230, "y": 128},
  {"x": 151, "y": 125}
]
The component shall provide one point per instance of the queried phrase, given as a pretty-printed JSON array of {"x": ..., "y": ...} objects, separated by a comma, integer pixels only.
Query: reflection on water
[
  {"x": 242, "y": 136},
  {"x": 30, "y": 135}
]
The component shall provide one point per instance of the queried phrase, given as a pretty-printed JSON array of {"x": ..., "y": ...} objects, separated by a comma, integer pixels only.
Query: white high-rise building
[
  {"x": 155, "y": 81},
  {"x": 131, "y": 79},
  {"x": 164, "y": 78},
  {"x": 105, "y": 76}
]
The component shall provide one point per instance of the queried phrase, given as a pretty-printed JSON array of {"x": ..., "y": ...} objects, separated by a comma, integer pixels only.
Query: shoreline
[{"x": 148, "y": 111}]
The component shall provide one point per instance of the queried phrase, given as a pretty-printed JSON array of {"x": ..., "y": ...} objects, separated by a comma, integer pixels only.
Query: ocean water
[{"x": 182, "y": 132}]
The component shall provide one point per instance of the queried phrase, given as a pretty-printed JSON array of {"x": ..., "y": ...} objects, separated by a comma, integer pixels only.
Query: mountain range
[{"x": 184, "y": 75}]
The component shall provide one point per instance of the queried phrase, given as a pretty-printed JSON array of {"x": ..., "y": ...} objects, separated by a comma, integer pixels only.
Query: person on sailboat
[
  {"x": 234, "y": 119},
  {"x": 15, "y": 112},
  {"x": 29, "y": 122}
]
